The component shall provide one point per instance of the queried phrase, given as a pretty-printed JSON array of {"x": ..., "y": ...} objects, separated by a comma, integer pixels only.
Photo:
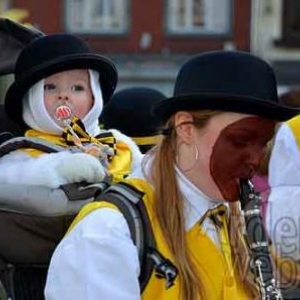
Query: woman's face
[
  {"x": 231, "y": 146},
  {"x": 70, "y": 88}
]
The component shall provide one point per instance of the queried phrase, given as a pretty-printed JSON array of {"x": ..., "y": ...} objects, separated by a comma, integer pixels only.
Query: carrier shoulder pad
[
  {"x": 32, "y": 143},
  {"x": 129, "y": 200}
]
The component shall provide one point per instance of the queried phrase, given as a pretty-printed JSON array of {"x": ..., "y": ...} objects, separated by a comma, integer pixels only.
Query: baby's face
[{"x": 71, "y": 88}]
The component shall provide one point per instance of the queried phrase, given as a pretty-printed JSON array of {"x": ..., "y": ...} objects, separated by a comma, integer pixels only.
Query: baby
[{"x": 59, "y": 91}]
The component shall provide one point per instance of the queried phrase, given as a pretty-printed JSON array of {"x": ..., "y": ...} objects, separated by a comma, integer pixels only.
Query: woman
[{"x": 222, "y": 115}]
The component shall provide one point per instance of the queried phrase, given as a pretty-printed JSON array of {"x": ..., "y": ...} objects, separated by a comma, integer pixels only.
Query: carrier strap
[
  {"x": 129, "y": 201},
  {"x": 26, "y": 142}
]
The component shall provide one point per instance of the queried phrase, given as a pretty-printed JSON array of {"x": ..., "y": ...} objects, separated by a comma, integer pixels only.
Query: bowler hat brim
[
  {"x": 232, "y": 103},
  {"x": 16, "y": 92}
]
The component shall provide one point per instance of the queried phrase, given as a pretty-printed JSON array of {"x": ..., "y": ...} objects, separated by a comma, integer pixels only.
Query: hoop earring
[{"x": 194, "y": 162}]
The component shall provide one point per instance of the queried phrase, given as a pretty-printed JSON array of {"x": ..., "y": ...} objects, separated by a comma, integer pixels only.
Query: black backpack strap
[
  {"x": 25, "y": 142},
  {"x": 5, "y": 135},
  {"x": 78, "y": 191},
  {"x": 129, "y": 201}
]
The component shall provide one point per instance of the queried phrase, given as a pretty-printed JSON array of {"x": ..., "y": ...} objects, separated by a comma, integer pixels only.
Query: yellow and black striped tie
[{"x": 76, "y": 126}]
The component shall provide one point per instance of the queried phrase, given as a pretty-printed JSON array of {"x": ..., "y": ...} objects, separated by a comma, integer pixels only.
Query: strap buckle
[{"x": 163, "y": 267}]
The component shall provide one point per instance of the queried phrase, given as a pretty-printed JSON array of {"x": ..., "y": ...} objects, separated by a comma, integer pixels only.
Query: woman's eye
[
  {"x": 77, "y": 88},
  {"x": 264, "y": 144},
  {"x": 241, "y": 143},
  {"x": 49, "y": 87}
]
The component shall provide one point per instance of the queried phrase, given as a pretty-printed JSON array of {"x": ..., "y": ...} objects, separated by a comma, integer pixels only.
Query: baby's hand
[{"x": 79, "y": 167}]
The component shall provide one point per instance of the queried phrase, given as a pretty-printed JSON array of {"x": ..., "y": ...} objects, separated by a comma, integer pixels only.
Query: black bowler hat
[
  {"x": 52, "y": 54},
  {"x": 233, "y": 81},
  {"x": 129, "y": 111}
]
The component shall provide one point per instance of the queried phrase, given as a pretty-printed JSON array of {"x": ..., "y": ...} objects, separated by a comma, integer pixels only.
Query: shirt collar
[{"x": 196, "y": 203}]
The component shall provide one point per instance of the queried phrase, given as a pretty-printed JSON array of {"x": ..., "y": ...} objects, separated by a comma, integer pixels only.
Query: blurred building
[
  {"x": 275, "y": 36},
  {"x": 148, "y": 40}
]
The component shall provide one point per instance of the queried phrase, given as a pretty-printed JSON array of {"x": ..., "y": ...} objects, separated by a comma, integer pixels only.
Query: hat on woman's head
[
  {"x": 129, "y": 111},
  {"x": 231, "y": 81},
  {"x": 52, "y": 54}
]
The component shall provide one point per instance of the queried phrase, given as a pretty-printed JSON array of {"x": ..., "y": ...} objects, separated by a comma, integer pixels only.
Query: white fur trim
[{"x": 50, "y": 170}]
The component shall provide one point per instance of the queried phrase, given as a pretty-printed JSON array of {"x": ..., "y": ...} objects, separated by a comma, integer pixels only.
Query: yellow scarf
[{"x": 119, "y": 154}]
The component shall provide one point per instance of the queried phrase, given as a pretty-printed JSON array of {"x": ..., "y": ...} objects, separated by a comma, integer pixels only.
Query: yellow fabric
[
  {"x": 48, "y": 137},
  {"x": 147, "y": 140},
  {"x": 119, "y": 166},
  {"x": 220, "y": 213},
  {"x": 294, "y": 124},
  {"x": 218, "y": 277}
]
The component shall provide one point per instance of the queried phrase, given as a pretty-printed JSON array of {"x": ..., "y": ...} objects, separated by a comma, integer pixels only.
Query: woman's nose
[{"x": 255, "y": 156}]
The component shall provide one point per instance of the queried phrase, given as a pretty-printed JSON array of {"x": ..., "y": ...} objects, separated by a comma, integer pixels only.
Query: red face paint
[{"x": 237, "y": 153}]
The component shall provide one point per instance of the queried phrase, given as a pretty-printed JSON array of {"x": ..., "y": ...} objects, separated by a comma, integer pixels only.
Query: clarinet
[{"x": 258, "y": 242}]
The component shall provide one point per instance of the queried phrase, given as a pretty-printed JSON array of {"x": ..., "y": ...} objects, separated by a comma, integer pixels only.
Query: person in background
[
  {"x": 282, "y": 215},
  {"x": 291, "y": 97},
  {"x": 280, "y": 208},
  {"x": 130, "y": 111},
  {"x": 217, "y": 124}
]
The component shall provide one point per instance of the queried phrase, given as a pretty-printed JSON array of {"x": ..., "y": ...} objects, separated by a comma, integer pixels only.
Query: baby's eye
[
  {"x": 77, "y": 88},
  {"x": 50, "y": 87}
]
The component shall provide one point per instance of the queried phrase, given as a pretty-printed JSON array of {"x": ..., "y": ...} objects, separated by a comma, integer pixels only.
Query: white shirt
[
  {"x": 283, "y": 210},
  {"x": 98, "y": 260}
]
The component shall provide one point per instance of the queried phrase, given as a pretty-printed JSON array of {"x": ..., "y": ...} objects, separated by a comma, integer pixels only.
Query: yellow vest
[
  {"x": 119, "y": 167},
  {"x": 218, "y": 278},
  {"x": 294, "y": 125}
]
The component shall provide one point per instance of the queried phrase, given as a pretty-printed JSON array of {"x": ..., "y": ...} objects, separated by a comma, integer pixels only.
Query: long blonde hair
[{"x": 171, "y": 215}]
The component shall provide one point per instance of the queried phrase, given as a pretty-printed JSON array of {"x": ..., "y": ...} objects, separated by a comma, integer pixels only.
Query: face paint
[{"x": 237, "y": 153}]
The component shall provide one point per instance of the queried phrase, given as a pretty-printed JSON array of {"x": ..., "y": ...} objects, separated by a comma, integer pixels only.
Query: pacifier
[{"x": 62, "y": 112}]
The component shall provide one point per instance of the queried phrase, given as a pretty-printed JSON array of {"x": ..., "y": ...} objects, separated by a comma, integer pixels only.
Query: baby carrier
[
  {"x": 33, "y": 220},
  {"x": 28, "y": 241}
]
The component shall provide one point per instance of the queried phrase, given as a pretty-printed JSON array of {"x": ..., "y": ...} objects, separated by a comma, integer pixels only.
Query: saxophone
[{"x": 258, "y": 242}]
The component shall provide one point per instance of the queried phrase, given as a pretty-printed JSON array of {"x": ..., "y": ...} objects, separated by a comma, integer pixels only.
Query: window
[
  {"x": 198, "y": 16},
  {"x": 97, "y": 16},
  {"x": 290, "y": 24}
]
